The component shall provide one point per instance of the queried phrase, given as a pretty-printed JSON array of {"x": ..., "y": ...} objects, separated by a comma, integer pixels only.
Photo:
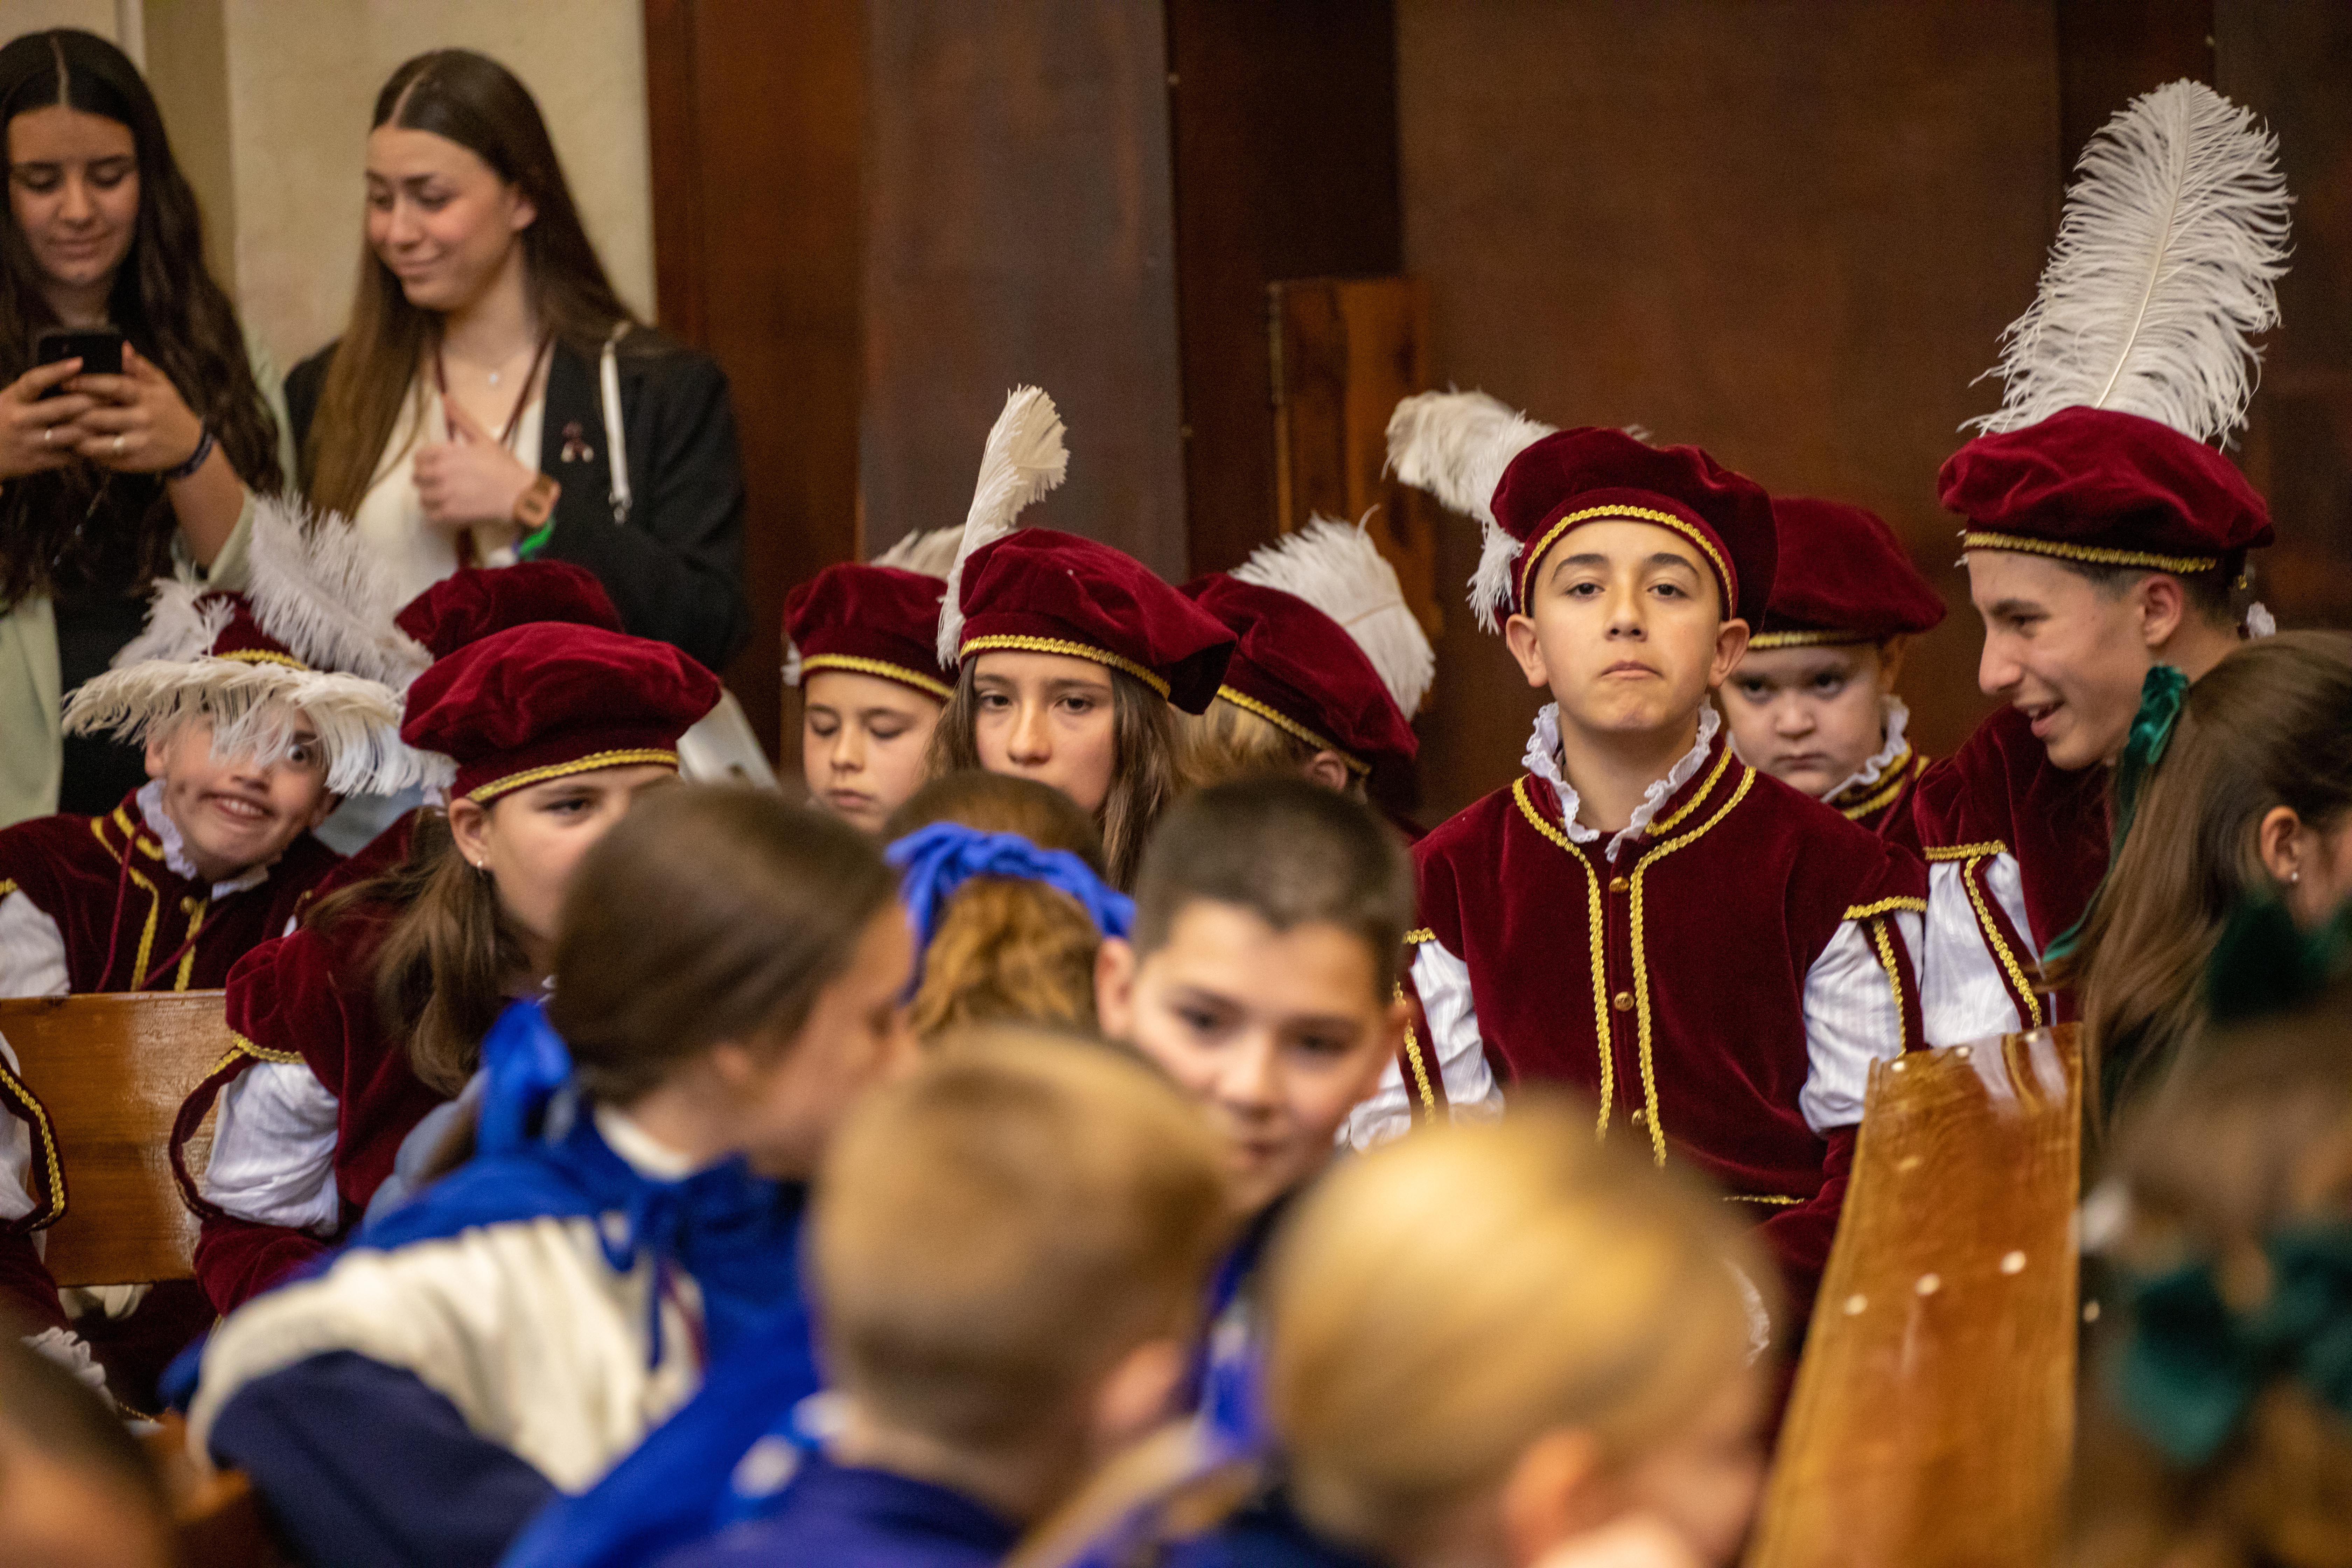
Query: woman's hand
[
  {"x": 139, "y": 424},
  {"x": 472, "y": 481},
  {"x": 37, "y": 433}
]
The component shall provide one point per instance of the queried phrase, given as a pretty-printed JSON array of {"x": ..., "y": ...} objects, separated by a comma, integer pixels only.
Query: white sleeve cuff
[
  {"x": 1964, "y": 992},
  {"x": 273, "y": 1158},
  {"x": 1443, "y": 984},
  {"x": 32, "y": 951}
]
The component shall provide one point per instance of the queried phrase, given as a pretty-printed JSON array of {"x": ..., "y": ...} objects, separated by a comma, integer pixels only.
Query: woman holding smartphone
[
  {"x": 111, "y": 475},
  {"x": 491, "y": 399}
]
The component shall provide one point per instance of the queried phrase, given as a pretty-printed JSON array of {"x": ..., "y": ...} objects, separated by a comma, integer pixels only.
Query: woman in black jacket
[{"x": 493, "y": 400}]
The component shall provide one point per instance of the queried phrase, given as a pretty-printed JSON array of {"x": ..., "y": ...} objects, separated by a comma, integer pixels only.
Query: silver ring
[{"x": 118, "y": 445}]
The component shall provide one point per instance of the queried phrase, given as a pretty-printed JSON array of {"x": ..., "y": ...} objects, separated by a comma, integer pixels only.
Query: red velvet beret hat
[
  {"x": 1843, "y": 577},
  {"x": 1298, "y": 669},
  {"x": 1600, "y": 474},
  {"x": 870, "y": 620},
  {"x": 1040, "y": 590},
  {"x": 469, "y": 605},
  {"x": 539, "y": 700},
  {"x": 2114, "y": 490}
]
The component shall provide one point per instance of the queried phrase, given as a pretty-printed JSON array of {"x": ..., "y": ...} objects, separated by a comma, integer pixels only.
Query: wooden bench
[{"x": 1933, "y": 1415}]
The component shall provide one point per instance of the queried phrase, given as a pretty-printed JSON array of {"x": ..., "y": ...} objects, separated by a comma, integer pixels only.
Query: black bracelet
[{"x": 195, "y": 459}]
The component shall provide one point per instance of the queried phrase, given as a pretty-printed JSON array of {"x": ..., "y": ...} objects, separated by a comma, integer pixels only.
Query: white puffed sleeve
[
  {"x": 273, "y": 1158},
  {"x": 1964, "y": 990},
  {"x": 1854, "y": 1017},
  {"x": 1443, "y": 984}
]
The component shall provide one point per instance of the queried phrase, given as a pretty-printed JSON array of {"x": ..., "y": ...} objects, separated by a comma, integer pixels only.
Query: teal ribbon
[
  {"x": 2194, "y": 1366},
  {"x": 2160, "y": 696}
]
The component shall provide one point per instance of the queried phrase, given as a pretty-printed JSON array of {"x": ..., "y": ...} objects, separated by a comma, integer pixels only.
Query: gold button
[
  {"x": 1623, "y": 1002},
  {"x": 1640, "y": 1116},
  {"x": 1620, "y": 884}
]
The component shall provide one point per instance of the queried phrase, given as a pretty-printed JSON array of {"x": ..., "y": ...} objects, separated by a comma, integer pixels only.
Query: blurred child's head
[
  {"x": 1098, "y": 734},
  {"x": 1229, "y": 741},
  {"x": 1007, "y": 950},
  {"x": 2212, "y": 1429},
  {"x": 1485, "y": 1342},
  {"x": 1625, "y": 625},
  {"x": 239, "y": 812},
  {"x": 864, "y": 740},
  {"x": 741, "y": 956},
  {"x": 76, "y": 1491},
  {"x": 1270, "y": 915},
  {"x": 1812, "y": 715},
  {"x": 1011, "y": 1247}
]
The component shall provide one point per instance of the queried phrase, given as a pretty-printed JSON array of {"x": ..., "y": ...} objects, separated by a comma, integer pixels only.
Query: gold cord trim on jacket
[{"x": 1599, "y": 959}]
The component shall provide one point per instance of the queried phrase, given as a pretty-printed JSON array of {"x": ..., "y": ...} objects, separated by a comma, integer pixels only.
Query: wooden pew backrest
[
  {"x": 1933, "y": 1415},
  {"x": 111, "y": 1072}
]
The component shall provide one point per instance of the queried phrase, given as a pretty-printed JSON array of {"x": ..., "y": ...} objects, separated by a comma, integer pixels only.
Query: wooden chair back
[
  {"x": 1933, "y": 1415},
  {"x": 112, "y": 1070}
]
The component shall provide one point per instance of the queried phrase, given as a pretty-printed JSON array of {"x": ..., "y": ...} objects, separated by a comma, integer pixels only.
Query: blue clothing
[
  {"x": 421, "y": 1487},
  {"x": 1266, "y": 1534},
  {"x": 841, "y": 1516}
]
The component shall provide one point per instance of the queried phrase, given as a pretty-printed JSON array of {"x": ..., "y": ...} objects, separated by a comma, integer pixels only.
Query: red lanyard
[{"x": 506, "y": 436}]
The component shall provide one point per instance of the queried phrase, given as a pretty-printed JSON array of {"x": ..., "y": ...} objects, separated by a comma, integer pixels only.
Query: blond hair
[
  {"x": 1446, "y": 1301},
  {"x": 992, "y": 1234},
  {"x": 1229, "y": 741}
]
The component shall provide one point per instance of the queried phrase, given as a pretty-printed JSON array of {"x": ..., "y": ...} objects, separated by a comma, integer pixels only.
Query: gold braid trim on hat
[
  {"x": 1056, "y": 645},
  {"x": 876, "y": 666},
  {"x": 590, "y": 764},
  {"x": 1291, "y": 727},
  {"x": 1631, "y": 514},
  {"x": 263, "y": 656},
  {"x": 1768, "y": 640},
  {"x": 2175, "y": 563}
]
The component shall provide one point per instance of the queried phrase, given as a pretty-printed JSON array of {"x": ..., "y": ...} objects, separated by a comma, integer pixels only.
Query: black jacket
[{"x": 675, "y": 569}]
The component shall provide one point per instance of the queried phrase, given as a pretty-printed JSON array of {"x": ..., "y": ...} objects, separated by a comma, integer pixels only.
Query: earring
[{"x": 2294, "y": 876}]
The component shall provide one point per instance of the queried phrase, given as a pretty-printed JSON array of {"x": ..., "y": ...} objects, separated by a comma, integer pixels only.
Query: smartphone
[{"x": 100, "y": 349}]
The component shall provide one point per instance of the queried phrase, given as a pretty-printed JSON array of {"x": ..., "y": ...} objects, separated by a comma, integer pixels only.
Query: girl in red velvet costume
[
  {"x": 1813, "y": 700},
  {"x": 355, "y": 1026},
  {"x": 1073, "y": 658},
  {"x": 1715, "y": 957},
  {"x": 858, "y": 644}
]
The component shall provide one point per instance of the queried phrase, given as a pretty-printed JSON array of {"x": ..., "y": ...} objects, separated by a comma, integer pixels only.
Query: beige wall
[{"x": 268, "y": 104}]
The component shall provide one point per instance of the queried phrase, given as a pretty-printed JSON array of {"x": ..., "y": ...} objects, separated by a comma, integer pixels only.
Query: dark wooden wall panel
[
  {"x": 2111, "y": 51},
  {"x": 1286, "y": 167},
  {"x": 1788, "y": 232},
  {"x": 1018, "y": 230},
  {"x": 755, "y": 112}
]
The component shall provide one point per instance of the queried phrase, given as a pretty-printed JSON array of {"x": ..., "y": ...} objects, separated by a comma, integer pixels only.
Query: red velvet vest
[
  {"x": 1669, "y": 986},
  {"x": 1884, "y": 805},
  {"x": 130, "y": 922},
  {"x": 1999, "y": 793}
]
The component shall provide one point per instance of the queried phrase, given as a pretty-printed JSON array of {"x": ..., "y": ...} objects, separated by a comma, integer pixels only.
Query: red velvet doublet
[
  {"x": 132, "y": 923},
  {"x": 1884, "y": 805},
  {"x": 2000, "y": 794},
  {"x": 1670, "y": 986},
  {"x": 309, "y": 999}
]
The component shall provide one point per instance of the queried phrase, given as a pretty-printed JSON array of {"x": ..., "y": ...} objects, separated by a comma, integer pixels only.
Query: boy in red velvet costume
[
  {"x": 1813, "y": 700},
  {"x": 1715, "y": 957},
  {"x": 2104, "y": 536}
]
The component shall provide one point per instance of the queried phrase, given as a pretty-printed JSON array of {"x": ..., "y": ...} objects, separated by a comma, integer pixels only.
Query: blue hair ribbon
[{"x": 935, "y": 860}]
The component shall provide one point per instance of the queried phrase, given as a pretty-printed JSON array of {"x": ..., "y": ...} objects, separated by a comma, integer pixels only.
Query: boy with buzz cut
[
  {"x": 1262, "y": 978},
  {"x": 1714, "y": 956},
  {"x": 1010, "y": 1248}
]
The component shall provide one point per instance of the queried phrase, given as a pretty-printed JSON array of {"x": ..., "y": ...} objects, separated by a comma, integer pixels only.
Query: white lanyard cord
[{"x": 609, "y": 390}]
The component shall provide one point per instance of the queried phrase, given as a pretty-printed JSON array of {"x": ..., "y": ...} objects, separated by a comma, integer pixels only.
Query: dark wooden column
[
  {"x": 755, "y": 110},
  {"x": 2111, "y": 51}
]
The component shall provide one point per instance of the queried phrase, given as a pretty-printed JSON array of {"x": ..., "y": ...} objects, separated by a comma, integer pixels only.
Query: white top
[
  {"x": 390, "y": 518},
  {"x": 1851, "y": 1015},
  {"x": 1962, "y": 994}
]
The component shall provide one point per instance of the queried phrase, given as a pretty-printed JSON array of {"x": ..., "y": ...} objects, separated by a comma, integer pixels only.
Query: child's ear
[
  {"x": 469, "y": 822},
  {"x": 1891, "y": 653},
  {"x": 2162, "y": 604},
  {"x": 325, "y": 809},
  {"x": 1519, "y": 635},
  {"x": 159, "y": 757},
  {"x": 1326, "y": 769},
  {"x": 1394, "y": 1019},
  {"x": 1730, "y": 648},
  {"x": 1139, "y": 1392},
  {"x": 1552, "y": 1494},
  {"x": 1115, "y": 967}
]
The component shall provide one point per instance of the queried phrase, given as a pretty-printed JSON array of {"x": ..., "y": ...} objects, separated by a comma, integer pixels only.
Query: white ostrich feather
[
  {"x": 1335, "y": 567},
  {"x": 182, "y": 624},
  {"x": 792, "y": 661},
  {"x": 323, "y": 590},
  {"x": 932, "y": 551},
  {"x": 1024, "y": 459},
  {"x": 1455, "y": 445},
  {"x": 254, "y": 710},
  {"x": 2165, "y": 266}
]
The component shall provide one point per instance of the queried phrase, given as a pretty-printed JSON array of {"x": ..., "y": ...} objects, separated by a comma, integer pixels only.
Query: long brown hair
[
  {"x": 164, "y": 301},
  {"x": 1147, "y": 768},
  {"x": 2271, "y": 725},
  {"x": 711, "y": 912},
  {"x": 477, "y": 104},
  {"x": 441, "y": 971},
  {"x": 1007, "y": 950}
]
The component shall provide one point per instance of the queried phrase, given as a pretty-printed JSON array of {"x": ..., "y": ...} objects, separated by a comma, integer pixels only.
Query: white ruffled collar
[
  {"x": 1896, "y": 749},
  {"x": 1542, "y": 760},
  {"x": 175, "y": 849}
]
